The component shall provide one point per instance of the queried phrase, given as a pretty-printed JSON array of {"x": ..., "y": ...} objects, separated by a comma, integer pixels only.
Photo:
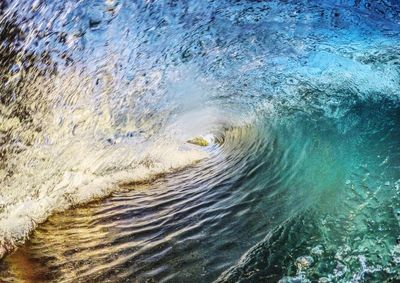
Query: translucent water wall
[{"x": 297, "y": 103}]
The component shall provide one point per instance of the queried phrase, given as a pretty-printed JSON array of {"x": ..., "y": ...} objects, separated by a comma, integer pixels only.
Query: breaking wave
[{"x": 297, "y": 103}]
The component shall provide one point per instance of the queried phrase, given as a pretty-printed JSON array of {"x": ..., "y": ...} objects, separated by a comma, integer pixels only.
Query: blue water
[{"x": 299, "y": 103}]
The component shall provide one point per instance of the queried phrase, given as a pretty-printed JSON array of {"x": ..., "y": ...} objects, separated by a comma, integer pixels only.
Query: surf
[{"x": 246, "y": 142}]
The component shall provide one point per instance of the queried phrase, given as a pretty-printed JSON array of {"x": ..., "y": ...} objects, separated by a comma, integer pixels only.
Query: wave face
[{"x": 298, "y": 100}]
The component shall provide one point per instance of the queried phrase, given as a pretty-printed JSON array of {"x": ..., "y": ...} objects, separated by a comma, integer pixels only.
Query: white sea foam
[
  {"x": 83, "y": 150},
  {"x": 81, "y": 173}
]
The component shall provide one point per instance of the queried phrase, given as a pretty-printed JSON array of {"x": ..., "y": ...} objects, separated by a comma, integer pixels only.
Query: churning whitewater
[{"x": 235, "y": 141}]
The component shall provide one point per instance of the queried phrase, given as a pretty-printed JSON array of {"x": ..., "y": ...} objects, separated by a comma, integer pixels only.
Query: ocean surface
[{"x": 298, "y": 105}]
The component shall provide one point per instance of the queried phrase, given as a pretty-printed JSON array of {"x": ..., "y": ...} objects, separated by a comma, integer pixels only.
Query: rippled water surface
[{"x": 297, "y": 104}]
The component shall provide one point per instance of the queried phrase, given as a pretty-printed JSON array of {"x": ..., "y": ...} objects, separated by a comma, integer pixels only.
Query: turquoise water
[{"x": 299, "y": 101}]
